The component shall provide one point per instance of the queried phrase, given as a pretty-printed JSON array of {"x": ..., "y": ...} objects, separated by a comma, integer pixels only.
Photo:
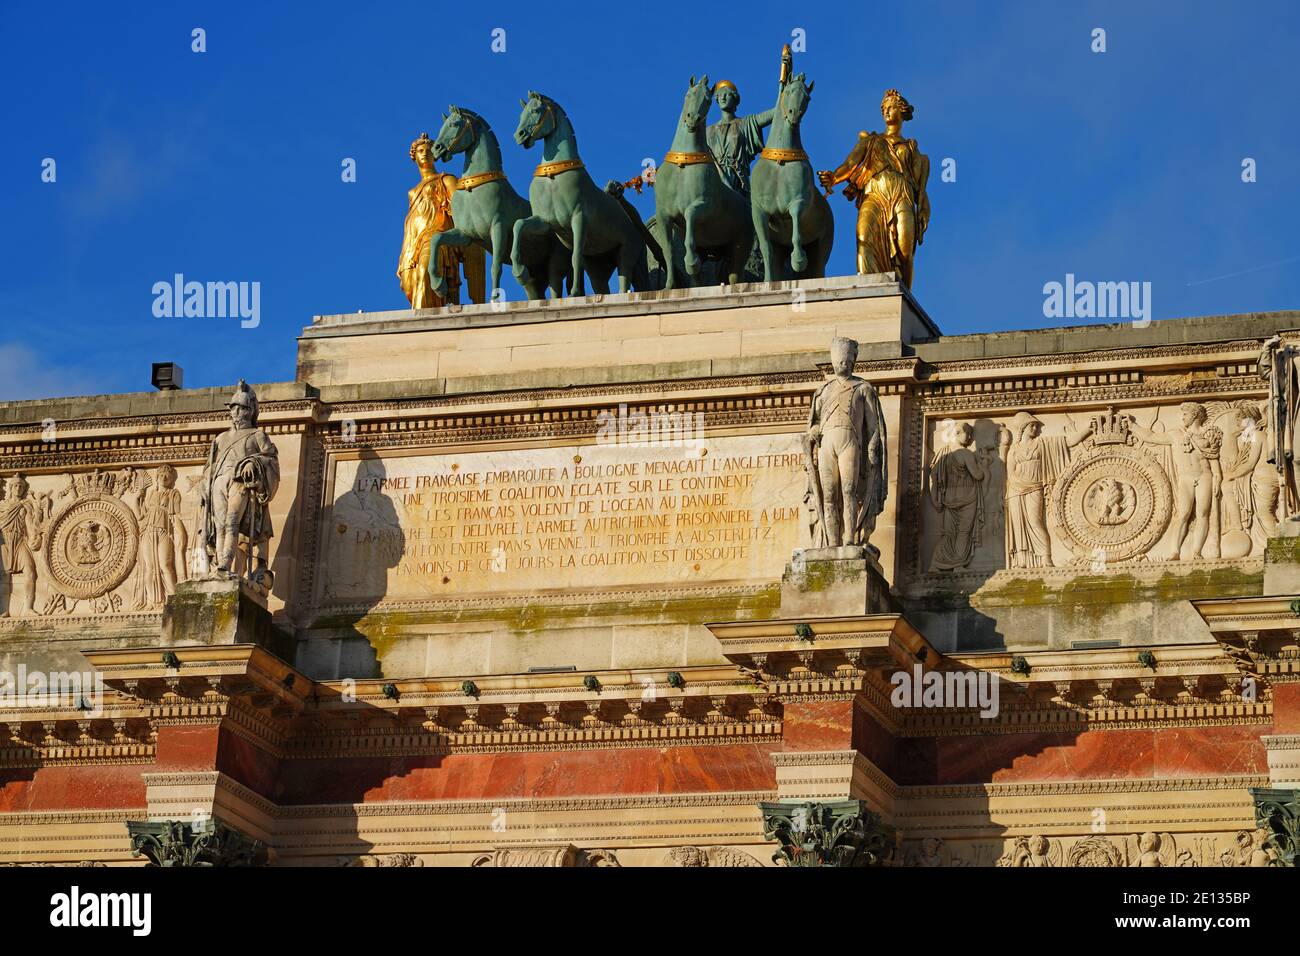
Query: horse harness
[
  {"x": 783, "y": 155},
  {"x": 467, "y": 183},
  {"x": 551, "y": 170}
]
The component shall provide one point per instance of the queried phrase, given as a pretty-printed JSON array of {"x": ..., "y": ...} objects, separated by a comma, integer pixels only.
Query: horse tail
[{"x": 615, "y": 189}]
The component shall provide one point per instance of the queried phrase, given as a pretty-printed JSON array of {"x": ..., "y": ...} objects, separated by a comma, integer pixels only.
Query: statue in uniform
[
  {"x": 238, "y": 482},
  {"x": 844, "y": 451},
  {"x": 429, "y": 211},
  {"x": 1277, "y": 366},
  {"x": 886, "y": 175}
]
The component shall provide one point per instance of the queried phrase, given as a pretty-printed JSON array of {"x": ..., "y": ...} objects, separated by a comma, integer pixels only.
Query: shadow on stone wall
[{"x": 361, "y": 540}]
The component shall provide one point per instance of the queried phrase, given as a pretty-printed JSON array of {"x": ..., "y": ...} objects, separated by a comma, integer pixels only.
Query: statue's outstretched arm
[
  {"x": 830, "y": 180},
  {"x": 764, "y": 119}
]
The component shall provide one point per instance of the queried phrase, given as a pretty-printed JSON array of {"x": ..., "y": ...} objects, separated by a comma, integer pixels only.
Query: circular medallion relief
[
  {"x": 1117, "y": 501},
  {"x": 91, "y": 546}
]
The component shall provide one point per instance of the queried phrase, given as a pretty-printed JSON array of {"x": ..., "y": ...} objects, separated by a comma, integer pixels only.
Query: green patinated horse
[
  {"x": 485, "y": 208},
  {"x": 791, "y": 216},
  {"x": 601, "y": 230},
  {"x": 693, "y": 202}
]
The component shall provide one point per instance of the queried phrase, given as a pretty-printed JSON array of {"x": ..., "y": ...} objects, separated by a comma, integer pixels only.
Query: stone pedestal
[
  {"x": 834, "y": 582},
  {"x": 220, "y": 609},
  {"x": 1282, "y": 560}
]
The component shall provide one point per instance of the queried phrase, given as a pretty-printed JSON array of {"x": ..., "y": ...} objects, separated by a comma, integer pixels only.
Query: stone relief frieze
[
  {"x": 96, "y": 542},
  {"x": 697, "y": 856},
  {"x": 1149, "y": 849},
  {"x": 1161, "y": 484}
]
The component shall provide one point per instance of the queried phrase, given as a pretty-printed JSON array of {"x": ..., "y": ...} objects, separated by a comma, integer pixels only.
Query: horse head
[
  {"x": 538, "y": 120},
  {"x": 459, "y": 132},
  {"x": 794, "y": 99},
  {"x": 699, "y": 99}
]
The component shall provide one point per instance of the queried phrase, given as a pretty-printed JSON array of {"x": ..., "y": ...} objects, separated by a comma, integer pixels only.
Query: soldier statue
[
  {"x": 844, "y": 451},
  {"x": 237, "y": 485},
  {"x": 1277, "y": 366}
]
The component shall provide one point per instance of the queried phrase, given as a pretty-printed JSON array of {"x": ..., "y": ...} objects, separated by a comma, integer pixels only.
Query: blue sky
[{"x": 225, "y": 165}]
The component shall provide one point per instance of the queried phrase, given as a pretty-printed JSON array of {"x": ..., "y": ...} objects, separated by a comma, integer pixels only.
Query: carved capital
[
  {"x": 177, "y": 843},
  {"x": 840, "y": 833}
]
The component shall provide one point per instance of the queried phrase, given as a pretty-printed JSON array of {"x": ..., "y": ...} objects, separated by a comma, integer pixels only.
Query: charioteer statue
[{"x": 238, "y": 482}]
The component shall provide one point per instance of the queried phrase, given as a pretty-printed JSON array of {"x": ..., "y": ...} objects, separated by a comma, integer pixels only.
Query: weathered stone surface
[{"x": 222, "y": 610}]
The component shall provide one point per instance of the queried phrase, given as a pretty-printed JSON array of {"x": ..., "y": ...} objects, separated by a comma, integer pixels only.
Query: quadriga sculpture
[
  {"x": 485, "y": 208},
  {"x": 791, "y": 216},
  {"x": 602, "y": 232},
  {"x": 693, "y": 204}
]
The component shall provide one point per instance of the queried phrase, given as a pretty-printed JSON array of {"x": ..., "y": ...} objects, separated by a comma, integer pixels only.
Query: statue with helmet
[{"x": 238, "y": 482}]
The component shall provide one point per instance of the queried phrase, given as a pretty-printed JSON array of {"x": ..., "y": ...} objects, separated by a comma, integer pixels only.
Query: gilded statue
[
  {"x": 885, "y": 175},
  {"x": 844, "y": 452},
  {"x": 238, "y": 482},
  {"x": 429, "y": 211}
]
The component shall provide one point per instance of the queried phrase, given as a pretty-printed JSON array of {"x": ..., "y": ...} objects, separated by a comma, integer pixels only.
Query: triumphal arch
[{"x": 698, "y": 573}]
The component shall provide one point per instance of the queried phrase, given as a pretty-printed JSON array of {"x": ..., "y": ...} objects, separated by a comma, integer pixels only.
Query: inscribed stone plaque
[{"x": 580, "y": 517}]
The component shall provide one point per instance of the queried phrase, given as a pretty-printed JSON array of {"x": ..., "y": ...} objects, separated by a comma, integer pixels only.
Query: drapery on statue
[
  {"x": 236, "y": 488},
  {"x": 1277, "y": 366},
  {"x": 886, "y": 175},
  {"x": 844, "y": 452},
  {"x": 429, "y": 211},
  {"x": 957, "y": 484}
]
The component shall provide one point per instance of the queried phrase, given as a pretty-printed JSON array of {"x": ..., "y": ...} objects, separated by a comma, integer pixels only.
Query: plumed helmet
[{"x": 245, "y": 396}]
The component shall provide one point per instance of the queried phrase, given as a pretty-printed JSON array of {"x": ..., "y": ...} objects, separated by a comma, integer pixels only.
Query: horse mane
[{"x": 466, "y": 111}]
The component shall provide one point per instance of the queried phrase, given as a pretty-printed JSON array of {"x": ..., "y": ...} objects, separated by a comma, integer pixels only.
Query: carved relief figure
[
  {"x": 1198, "y": 475},
  {"x": 1252, "y": 488},
  {"x": 1034, "y": 461},
  {"x": 957, "y": 480},
  {"x": 844, "y": 450},
  {"x": 886, "y": 177},
  {"x": 20, "y": 538},
  {"x": 1251, "y": 849},
  {"x": 1032, "y": 851},
  {"x": 995, "y": 464},
  {"x": 240, "y": 478},
  {"x": 163, "y": 538},
  {"x": 697, "y": 856}
]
